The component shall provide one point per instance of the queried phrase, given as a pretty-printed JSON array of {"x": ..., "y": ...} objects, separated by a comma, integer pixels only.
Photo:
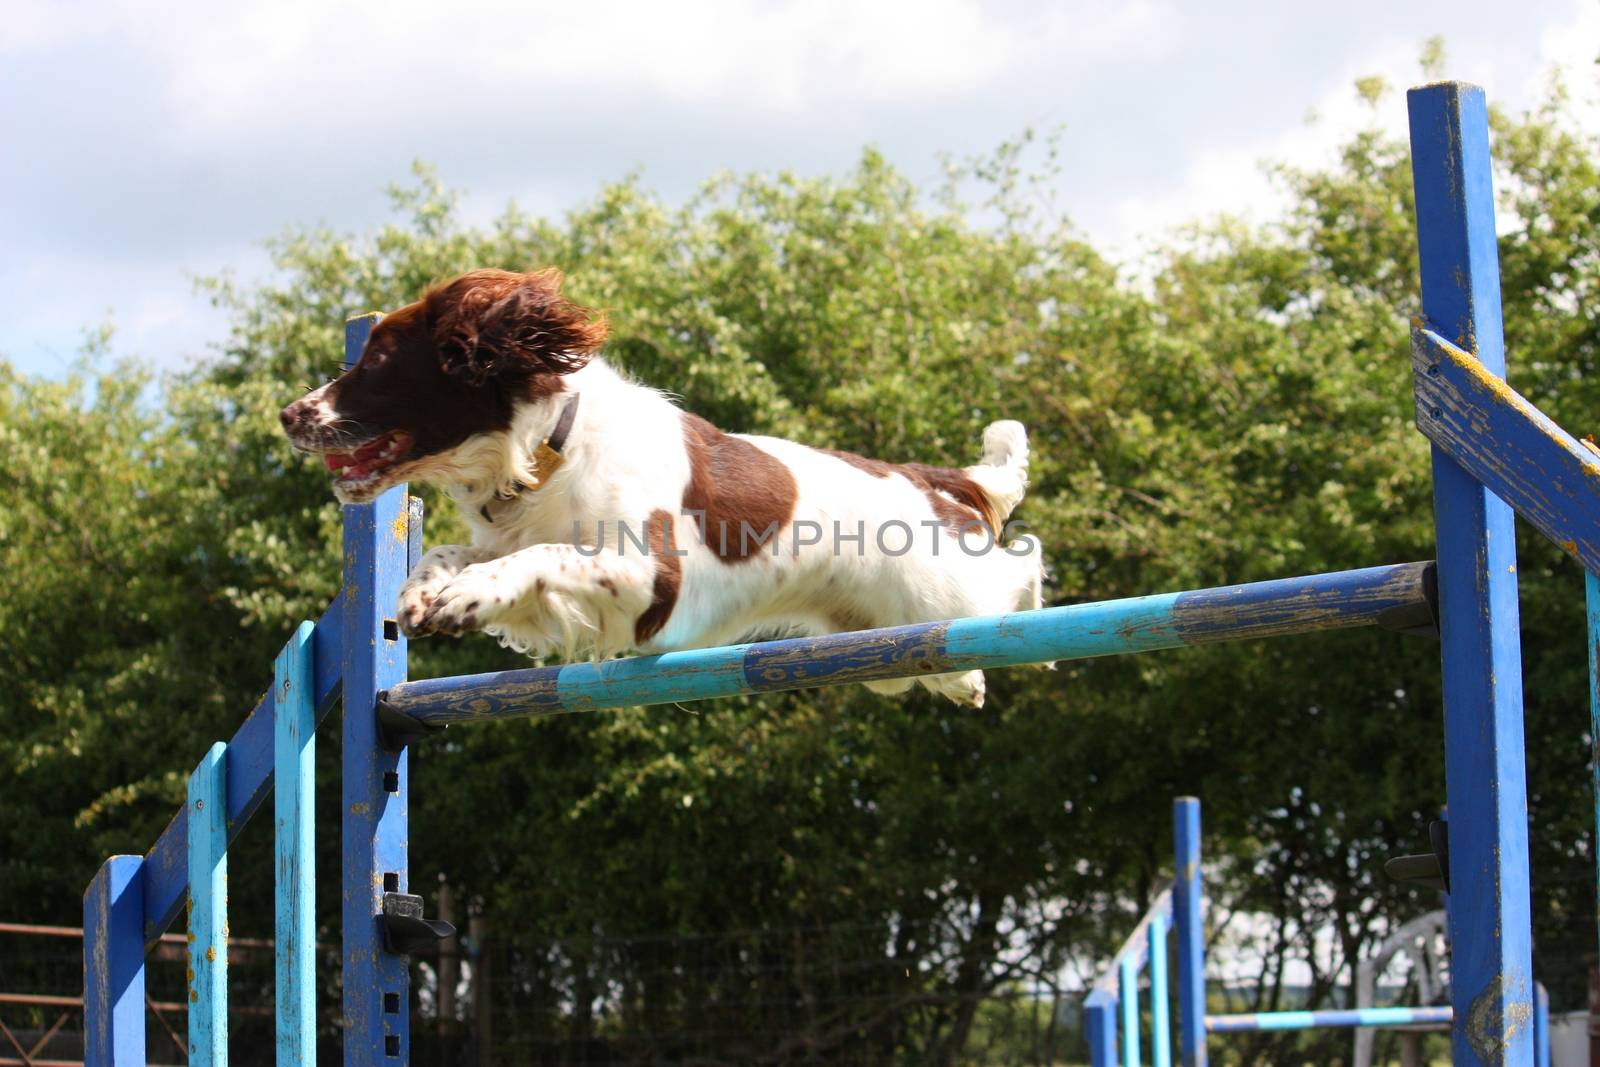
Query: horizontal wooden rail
[
  {"x": 76, "y": 933},
  {"x": 49, "y": 1000},
  {"x": 1136, "y": 949},
  {"x": 1398, "y": 596},
  {"x": 1116, "y": 992},
  {"x": 1315, "y": 1020}
]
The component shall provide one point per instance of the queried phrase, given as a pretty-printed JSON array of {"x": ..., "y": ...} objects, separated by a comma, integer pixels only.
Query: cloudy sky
[{"x": 146, "y": 143}]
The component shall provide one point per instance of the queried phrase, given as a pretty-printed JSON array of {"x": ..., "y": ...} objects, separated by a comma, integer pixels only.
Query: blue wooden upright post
[
  {"x": 377, "y": 1028},
  {"x": 1591, "y": 589},
  {"x": 113, "y": 965},
  {"x": 1541, "y": 1026},
  {"x": 1160, "y": 1035},
  {"x": 1100, "y": 1028},
  {"x": 1490, "y": 933},
  {"x": 1128, "y": 1002},
  {"x": 294, "y": 763},
  {"x": 1189, "y": 921},
  {"x": 208, "y": 910}
]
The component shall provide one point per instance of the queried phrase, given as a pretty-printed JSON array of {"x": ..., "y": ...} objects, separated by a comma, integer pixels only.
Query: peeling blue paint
[
  {"x": 1490, "y": 931},
  {"x": 1309, "y": 1020},
  {"x": 1078, "y": 631},
  {"x": 374, "y": 816}
]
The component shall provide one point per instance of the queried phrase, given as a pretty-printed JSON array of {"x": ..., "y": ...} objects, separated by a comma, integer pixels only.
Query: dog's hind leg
[{"x": 967, "y": 688}]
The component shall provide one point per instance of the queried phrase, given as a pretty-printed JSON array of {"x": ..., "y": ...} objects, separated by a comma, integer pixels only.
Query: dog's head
[{"x": 441, "y": 372}]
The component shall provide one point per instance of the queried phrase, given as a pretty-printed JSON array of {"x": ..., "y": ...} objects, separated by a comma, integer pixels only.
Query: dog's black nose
[{"x": 291, "y": 415}]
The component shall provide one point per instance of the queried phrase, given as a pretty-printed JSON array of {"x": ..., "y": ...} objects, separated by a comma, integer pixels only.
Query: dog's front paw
[
  {"x": 435, "y": 572},
  {"x": 416, "y": 597},
  {"x": 470, "y": 601}
]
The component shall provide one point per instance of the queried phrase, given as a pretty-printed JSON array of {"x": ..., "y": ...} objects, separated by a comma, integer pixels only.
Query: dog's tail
[{"x": 1003, "y": 474}]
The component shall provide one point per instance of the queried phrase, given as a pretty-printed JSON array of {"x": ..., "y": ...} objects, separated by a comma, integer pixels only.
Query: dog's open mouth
[{"x": 369, "y": 462}]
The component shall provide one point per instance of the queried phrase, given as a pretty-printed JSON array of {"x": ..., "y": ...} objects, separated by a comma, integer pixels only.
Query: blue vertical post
[
  {"x": 413, "y": 533},
  {"x": 1100, "y": 1027},
  {"x": 1491, "y": 958},
  {"x": 1189, "y": 919},
  {"x": 113, "y": 965},
  {"x": 1541, "y": 1026},
  {"x": 1128, "y": 1001},
  {"x": 208, "y": 910},
  {"x": 1591, "y": 586},
  {"x": 294, "y": 763},
  {"x": 377, "y": 1030},
  {"x": 1160, "y": 1035}
]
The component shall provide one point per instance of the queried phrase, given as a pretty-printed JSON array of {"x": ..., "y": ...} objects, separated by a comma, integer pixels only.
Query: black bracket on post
[
  {"x": 1419, "y": 619},
  {"x": 404, "y": 928},
  {"x": 1431, "y": 870},
  {"x": 396, "y": 729}
]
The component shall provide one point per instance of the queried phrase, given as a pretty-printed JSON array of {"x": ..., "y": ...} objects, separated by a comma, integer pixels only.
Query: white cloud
[
  {"x": 169, "y": 138},
  {"x": 32, "y": 24},
  {"x": 1232, "y": 177},
  {"x": 367, "y": 58},
  {"x": 1571, "y": 47}
]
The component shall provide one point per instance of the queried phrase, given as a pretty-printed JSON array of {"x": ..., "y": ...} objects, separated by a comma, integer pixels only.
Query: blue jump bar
[
  {"x": 1307, "y": 1020},
  {"x": 1396, "y": 596}
]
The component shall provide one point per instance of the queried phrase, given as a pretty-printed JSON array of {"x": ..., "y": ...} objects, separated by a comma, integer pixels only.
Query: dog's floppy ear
[{"x": 491, "y": 323}]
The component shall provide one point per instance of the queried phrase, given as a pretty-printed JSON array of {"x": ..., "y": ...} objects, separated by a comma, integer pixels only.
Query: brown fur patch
[
  {"x": 663, "y": 544},
  {"x": 488, "y": 323},
  {"x": 956, "y": 500},
  {"x": 455, "y": 363},
  {"x": 740, "y": 496}
]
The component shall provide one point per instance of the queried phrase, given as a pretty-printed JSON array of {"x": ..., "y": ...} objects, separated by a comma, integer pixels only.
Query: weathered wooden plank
[
  {"x": 249, "y": 779},
  {"x": 1302, "y": 605},
  {"x": 901, "y": 651},
  {"x": 113, "y": 965},
  {"x": 1313, "y": 1020},
  {"x": 294, "y": 845},
  {"x": 1490, "y": 931},
  {"x": 1489, "y": 429},
  {"x": 1136, "y": 949},
  {"x": 692, "y": 674},
  {"x": 1188, "y": 915},
  {"x": 377, "y": 547},
  {"x": 1140, "y": 624},
  {"x": 208, "y": 910}
]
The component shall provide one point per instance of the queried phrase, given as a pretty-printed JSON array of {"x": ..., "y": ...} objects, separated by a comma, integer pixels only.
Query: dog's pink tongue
[
  {"x": 372, "y": 449},
  {"x": 383, "y": 449}
]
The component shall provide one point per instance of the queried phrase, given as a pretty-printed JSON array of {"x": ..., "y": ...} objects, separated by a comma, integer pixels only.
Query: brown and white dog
[{"x": 605, "y": 518}]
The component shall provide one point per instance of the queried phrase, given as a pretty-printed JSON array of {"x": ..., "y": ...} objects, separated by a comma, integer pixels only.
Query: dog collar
[
  {"x": 558, "y": 436},
  {"x": 547, "y": 458}
]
